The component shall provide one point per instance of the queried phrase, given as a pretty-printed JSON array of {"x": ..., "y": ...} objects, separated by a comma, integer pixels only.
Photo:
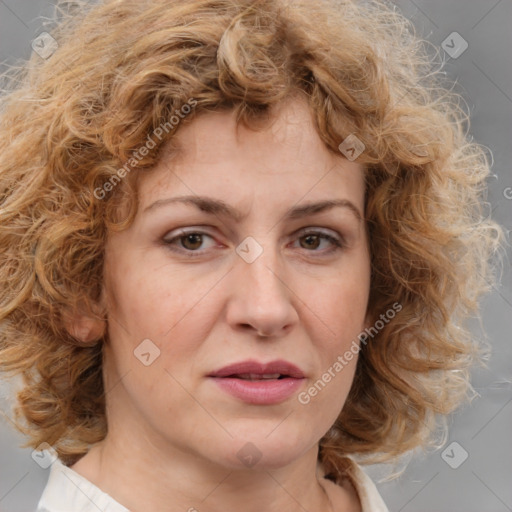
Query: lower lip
[{"x": 260, "y": 392}]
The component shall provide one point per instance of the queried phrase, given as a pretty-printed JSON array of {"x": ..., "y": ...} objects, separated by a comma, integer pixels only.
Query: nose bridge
[
  {"x": 262, "y": 273},
  {"x": 262, "y": 298}
]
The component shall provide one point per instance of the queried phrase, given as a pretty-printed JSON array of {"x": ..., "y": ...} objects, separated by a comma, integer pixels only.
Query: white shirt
[{"x": 68, "y": 491}]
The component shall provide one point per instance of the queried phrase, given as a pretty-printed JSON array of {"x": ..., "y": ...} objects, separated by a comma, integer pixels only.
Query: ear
[{"x": 87, "y": 328}]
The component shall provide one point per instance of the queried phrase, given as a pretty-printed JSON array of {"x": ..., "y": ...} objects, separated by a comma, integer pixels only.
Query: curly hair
[{"x": 71, "y": 121}]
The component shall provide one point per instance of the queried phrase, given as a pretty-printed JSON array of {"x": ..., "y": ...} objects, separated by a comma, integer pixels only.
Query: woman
[{"x": 240, "y": 240}]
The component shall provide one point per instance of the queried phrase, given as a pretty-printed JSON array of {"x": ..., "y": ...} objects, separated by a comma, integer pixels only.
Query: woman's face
[{"x": 240, "y": 272}]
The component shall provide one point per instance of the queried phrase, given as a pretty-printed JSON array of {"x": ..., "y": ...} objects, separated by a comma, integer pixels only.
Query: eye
[
  {"x": 187, "y": 241},
  {"x": 312, "y": 240},
  {"x": 191, "y": 242}
]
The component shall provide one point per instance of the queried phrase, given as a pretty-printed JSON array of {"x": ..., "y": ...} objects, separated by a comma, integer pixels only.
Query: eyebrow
[{"x": 219, "y": 207}]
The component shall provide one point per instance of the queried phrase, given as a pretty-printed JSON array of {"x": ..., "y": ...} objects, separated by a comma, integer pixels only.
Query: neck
[{"x": 142, "y": 476}]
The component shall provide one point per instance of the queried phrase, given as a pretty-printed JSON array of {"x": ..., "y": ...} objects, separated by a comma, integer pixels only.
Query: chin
[{"x": 259, "y": 450}]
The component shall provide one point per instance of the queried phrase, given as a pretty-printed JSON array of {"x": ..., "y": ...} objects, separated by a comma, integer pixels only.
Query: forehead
[
  {"x": 284, "y": 158},
  {"x": 287, "y": 130}
]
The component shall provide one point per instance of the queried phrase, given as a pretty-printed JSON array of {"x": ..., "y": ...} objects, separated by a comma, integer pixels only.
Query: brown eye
[
  {"x": 192, "y": 241},
  {"x": 310, "y": 241}
]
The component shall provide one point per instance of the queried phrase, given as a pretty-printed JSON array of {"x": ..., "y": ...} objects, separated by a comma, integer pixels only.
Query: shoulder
[
  {"x": 67, "y": 490},
  {"x": 343, "y": 495},
  {"x": 354, "y": 490}
]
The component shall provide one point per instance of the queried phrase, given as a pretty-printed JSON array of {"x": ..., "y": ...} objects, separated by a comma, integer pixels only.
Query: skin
[{"x": 174, "y": 434}]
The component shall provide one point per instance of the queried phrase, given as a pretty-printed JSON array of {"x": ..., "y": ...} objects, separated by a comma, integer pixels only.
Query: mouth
[
  {"x": 256, "y": 376},
  {"x": 253, "y": 370},
  {"x": 258, "y": 383}
]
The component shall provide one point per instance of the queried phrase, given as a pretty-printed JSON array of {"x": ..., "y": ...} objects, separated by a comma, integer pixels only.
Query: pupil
[
  {"x": 194, "y": 239},
  {"x": 313, "y": 238}
]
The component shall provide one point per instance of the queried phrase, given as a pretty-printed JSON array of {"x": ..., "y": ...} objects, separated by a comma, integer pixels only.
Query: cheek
[
  {"x": 148, "y": 297},
  {"x": 325, "y": 396},
  {"x": 340, "y": 311},
  {"x": 340, "y": 308},
  {"x": 161, "y": 304}
]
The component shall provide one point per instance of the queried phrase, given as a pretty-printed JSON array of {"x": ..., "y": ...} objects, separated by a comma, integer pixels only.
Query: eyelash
[{"x": 336, "y": 242}]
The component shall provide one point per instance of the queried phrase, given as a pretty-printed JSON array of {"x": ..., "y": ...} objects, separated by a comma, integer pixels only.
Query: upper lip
[{"x": 243, "y": 367}]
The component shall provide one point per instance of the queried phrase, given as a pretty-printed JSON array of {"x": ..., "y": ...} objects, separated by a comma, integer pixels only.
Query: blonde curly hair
[{"x": 71, "y": 121}]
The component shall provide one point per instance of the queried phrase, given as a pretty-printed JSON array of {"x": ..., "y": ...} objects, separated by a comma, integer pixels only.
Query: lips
[
  {"x": 252, "y": 370},
  {"x": 259, "y": 383}
]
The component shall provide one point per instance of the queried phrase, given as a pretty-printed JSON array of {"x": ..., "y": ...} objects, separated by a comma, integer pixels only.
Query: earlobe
[{"x": 85, "y": 328}]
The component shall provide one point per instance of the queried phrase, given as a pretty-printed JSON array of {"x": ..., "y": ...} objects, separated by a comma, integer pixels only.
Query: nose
[{"x": 262, "y": 298}]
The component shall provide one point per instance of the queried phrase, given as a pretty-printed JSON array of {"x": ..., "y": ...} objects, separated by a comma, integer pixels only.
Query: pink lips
[{"x": 257, "y": 383}]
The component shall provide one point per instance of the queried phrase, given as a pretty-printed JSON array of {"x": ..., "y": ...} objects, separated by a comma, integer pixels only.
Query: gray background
[{"x": 483, "y": 75}]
